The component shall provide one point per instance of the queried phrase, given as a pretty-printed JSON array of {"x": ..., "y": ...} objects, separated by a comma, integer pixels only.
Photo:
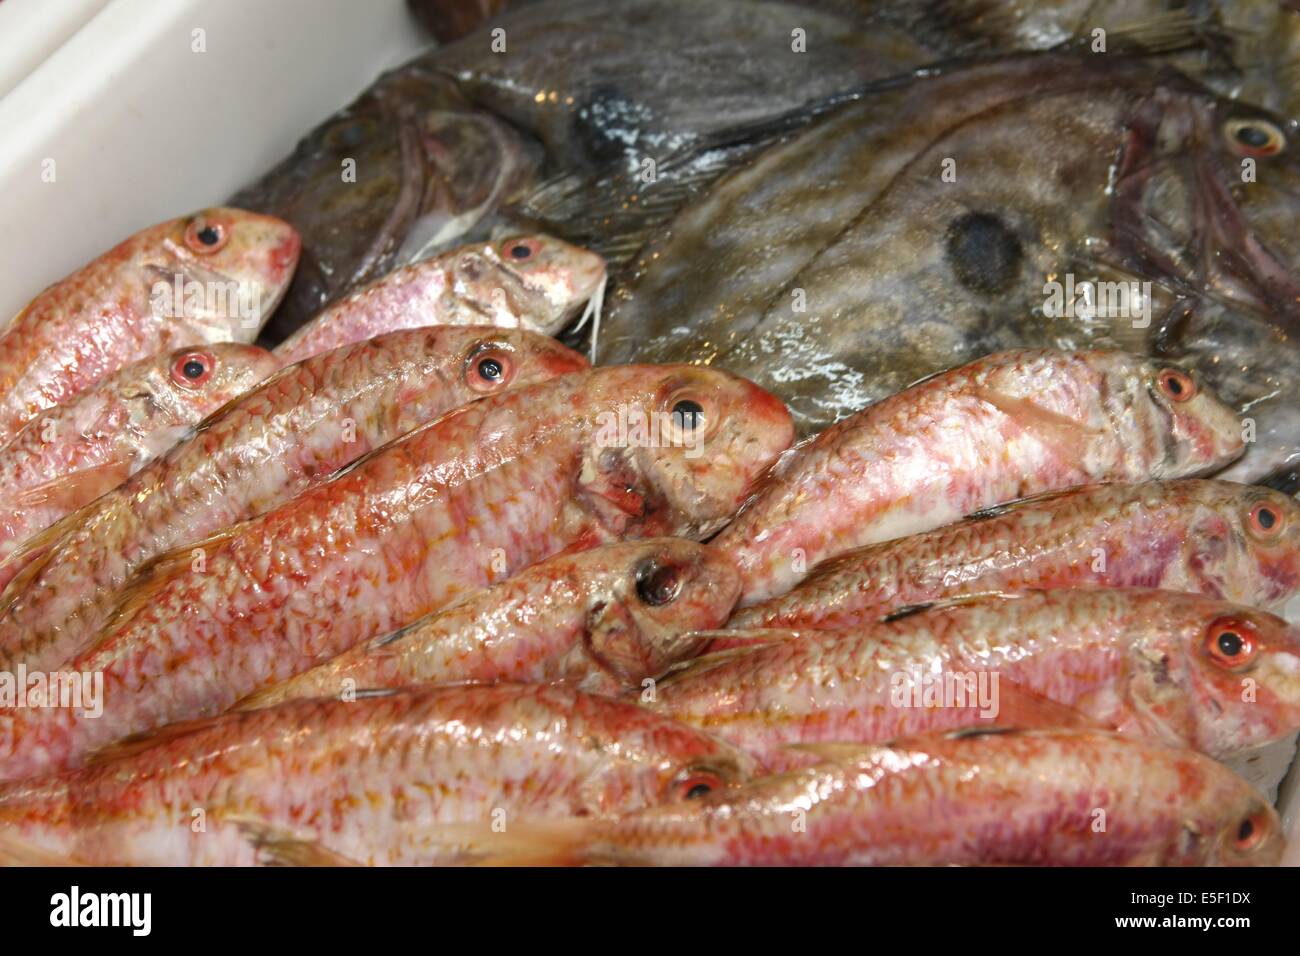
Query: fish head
[
  {"x": 1264, "y": 537},
  {"x": 1249, "y": 831},
  {"x": 539, "y": 281},
  {"x": 223, "y": 271},
  {"x": 656, "y": 596},
  {"x": 1207, "y": 190},
  {"x": 676, "y": 449},
  {"x": 1219, "y": 677},
  {"x": 492, "y": 361},
  {"x": 1183, "y": 423},
  {"x": 402, "y": 173}
]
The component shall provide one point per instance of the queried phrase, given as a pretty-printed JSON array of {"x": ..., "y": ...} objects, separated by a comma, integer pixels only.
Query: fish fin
[
  {"x": 1285, "y": 480},
  {"x": 137, "y": 743},
  {"x": 558, "y": 842},
  {"x": 152, "y": 576},
  {"x": 1059, "y": 431},
  {"x": 832, "y": 751},
  {"x": 748, "y": 638},
  {"x": 964, "y": 733},
  {"x": 705, "y": 662},
  {"x": 74, "y": 491},
  {"x": 15, "y": 851},
  {"x": 956, "y": 600},
  {"x": 280, "y": 846},
  {"x": 1031, "y": 710},
  {"x": 31, "y": 557}
]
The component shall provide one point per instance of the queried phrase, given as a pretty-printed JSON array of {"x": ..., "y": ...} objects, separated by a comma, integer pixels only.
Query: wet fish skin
[
  {"x": 272, "y": 443},
  {"x": 603, "y": 620},
  {"x": 1003, "y": 427},
  {"x": 1027, "y": 798},
  {"x": 428, "y": 168},
  {"x": 532, "y": 282},
  {"x": 1136, "y": 660},
  {"x": 1195, "y": 535},
  {"x": 102, "y": 317},
  {"x": 383, "y": 780},
  {"x": 75, "y": 452},
  {"x": 450, "y": 507}
]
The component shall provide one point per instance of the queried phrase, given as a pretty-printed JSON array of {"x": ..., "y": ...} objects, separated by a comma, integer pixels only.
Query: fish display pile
[{"x": 927, "y": 498}]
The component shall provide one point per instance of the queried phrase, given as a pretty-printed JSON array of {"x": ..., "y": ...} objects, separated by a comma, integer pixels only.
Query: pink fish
[
  {"x": 982, "y": 798},
  {"x": 1003, "y": 427},
  {"x": 529, "y": 282},
  {"x": 1181, "y": 668},
  {"x": 1236, "y": 542},
  {"x": 73, "y": 453},
  {"x": 603, "y": 620},
  {"x": 295, "y": 429},
  {"x": 212, "y": 277},
  {"x": 452, "y": 506},
  {"x": 387, "y": 779}
]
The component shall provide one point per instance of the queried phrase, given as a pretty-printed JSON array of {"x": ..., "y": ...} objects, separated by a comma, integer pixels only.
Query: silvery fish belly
[{"x": 258, "y": 452}]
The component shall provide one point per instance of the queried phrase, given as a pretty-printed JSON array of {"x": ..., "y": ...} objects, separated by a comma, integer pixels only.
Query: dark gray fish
[
  {"x": 842, "y": 265},
  {"x": 448, "y": 146}
]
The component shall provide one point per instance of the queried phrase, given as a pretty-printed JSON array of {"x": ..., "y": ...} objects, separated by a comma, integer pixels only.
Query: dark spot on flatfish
[
  {"x": 983, "y": 252},
  {"x": 606, "y": 125}
]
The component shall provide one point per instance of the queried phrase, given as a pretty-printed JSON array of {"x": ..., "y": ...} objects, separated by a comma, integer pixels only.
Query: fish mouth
[{"x": 1217, "y": 255}]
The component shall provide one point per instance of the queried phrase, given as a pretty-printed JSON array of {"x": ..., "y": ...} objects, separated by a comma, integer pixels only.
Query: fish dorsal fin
[
  {"x": 957, "y": 600},
  {"x": 1019, "y": 504},
  {"x": 134, "y": 744}
]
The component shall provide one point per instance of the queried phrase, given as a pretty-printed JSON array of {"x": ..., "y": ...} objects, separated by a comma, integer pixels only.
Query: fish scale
[
  {"x": 73, "y": 453},
  {"x": 1135, "y": 660},
  {"x": 1031, "y": 798},
  {"x": 382, "y": 544},
  {"x": 579, "y": 618},
  {"x": 103, "y": 317},
  {"x": 381, "y": 780},
  {"x": 299, "y": 427},
  {"x": 1192, "y": 535},
  {"x": 1006, "y": 426}
]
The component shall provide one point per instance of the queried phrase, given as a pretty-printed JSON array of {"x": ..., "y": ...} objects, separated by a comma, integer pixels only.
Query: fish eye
[
  {"x": 489, "y": 370},
  {"x": 192, "y": 369},
  {"x": 520, "y": 250},
  {"x": 1250, "y": 832},
  {"x": 1265, "y": 521},
  {"x": 688, "y": 414},
  {"x": 1254, "y": 137},
  {"x": 1177, "y": 385},
  {"x": 657, "y": 583},
  {"x": 204, "y": 236},
  {"x": 350, "y": 133},
  {"x": 694, "y": 784},
  {"x": 1231, "y": 643}
]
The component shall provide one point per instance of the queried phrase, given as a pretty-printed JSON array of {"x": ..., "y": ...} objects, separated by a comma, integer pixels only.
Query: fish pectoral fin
[
  {"x": 1021, "y": 707},
  {"x": 1052, "y": 428},
  {"x": 75, "y": 490},
  {"x": 833, "y": 751},
  {"x": 280, "y": 846},
  {"x": 133, "y": 744}
]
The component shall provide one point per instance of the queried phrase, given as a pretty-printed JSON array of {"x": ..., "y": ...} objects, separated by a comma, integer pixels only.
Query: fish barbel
[
  {"x": 384, "y": 779},
  {"x": 1225, "y": 540},
  {"x": 73, "y": 453},
  {"x": 1189, "y": 670},
  {"x": 1006, "y": 426},
  {"x": 455, "y": 505},
  {"x": 530, "y": 282},
  {"x": 1019, "y": 798},
  {"x": 603, "y": 619},
  {"x": 295, "y": 429},
  {"x": 212, "y": 277}
]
